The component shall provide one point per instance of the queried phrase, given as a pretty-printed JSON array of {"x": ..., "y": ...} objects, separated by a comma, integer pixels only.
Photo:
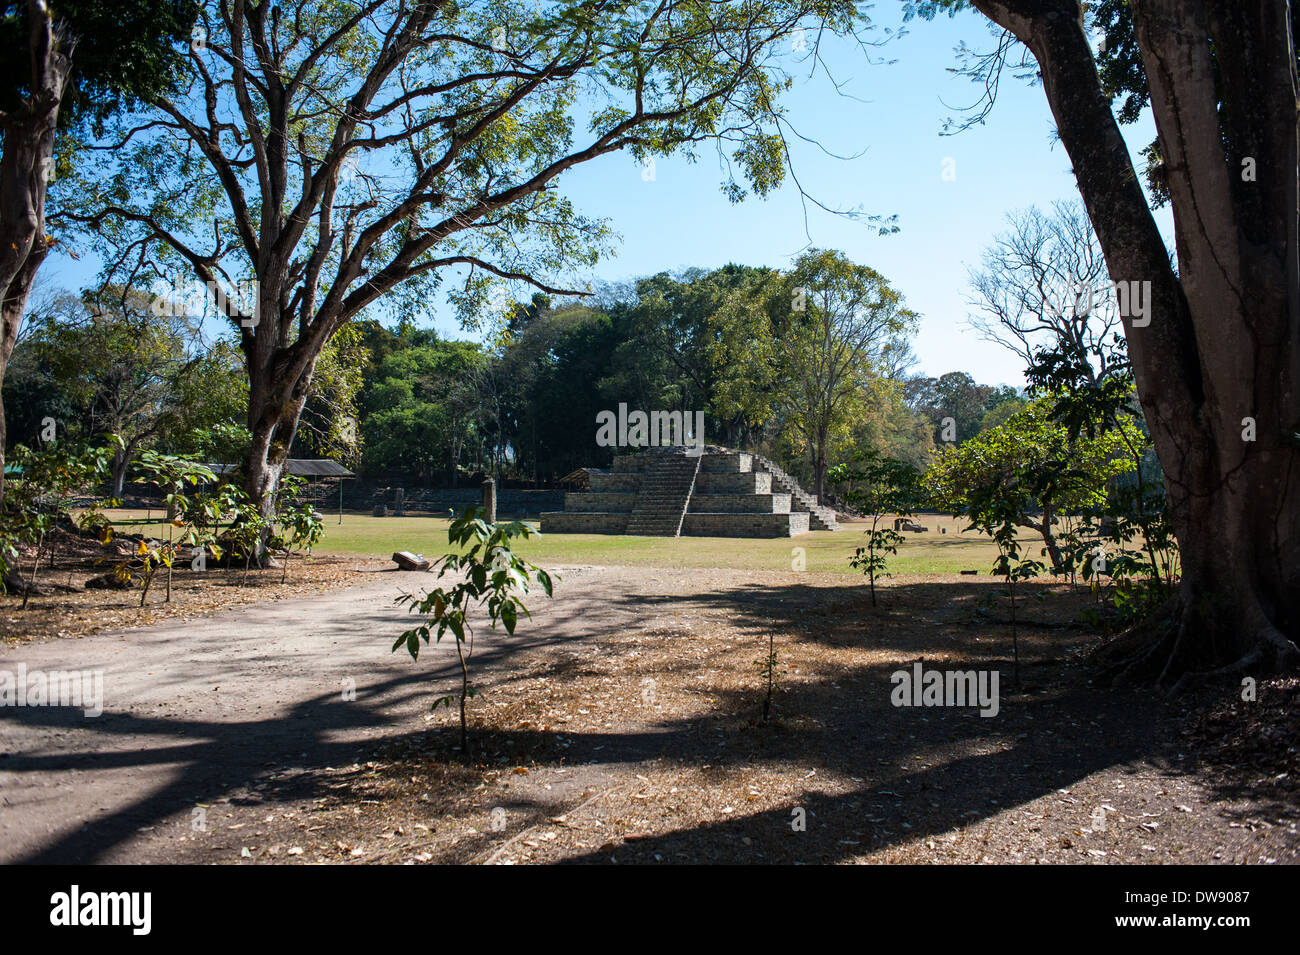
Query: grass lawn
[{"x": 823, "y": 552}]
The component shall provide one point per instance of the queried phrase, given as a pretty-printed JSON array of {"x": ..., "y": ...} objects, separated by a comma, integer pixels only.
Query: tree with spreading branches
[
  {"x": 806, "y": 347},
  {"x": 1043, "y": 285},
  {"x": 326, "y": 158}
]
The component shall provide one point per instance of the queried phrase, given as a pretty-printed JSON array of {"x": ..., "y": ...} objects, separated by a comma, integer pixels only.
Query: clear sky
[{"x": 891, "y": 113}]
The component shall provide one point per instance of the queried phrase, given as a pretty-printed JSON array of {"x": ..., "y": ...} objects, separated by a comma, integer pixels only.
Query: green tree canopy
[
  {"x": 348, "y": 153},
  {"x": 1032, "y": 462},
  {"x": 804, "y": 346}
]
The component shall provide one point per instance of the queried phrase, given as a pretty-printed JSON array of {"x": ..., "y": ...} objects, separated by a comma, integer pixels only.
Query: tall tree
[
  {"x": 1032, "y": 471},
  {"x": 805, "y": 345},
  {"x": 1043, "y": 284},
  {"x": 61, "y": 62},
  {"x": 1217, "y": 361},
  {"x": 336, "y": 155},
  {"x": 557, "y": 371},
  {"x": 420, "y": 407},
  {"x": 667, "y": 328},
  {"x": 118, "y": 367},
  {"x": 953, "y": 403},
  {"x": 117, "y": 363}
]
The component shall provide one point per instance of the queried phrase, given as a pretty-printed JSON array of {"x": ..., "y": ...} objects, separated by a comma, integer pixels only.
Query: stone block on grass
[{"x": 405, "y": 560}]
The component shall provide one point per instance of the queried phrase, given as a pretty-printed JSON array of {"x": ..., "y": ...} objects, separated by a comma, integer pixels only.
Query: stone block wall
[
  {"x": 729, "y": 498},
  {"x": 745, "y": 525},
  {"x": 732, "y": 482},
  {"x": 739, "y": 504},
  {"x": 728, "y": 461},
  {"x": 620, "y": 502}
]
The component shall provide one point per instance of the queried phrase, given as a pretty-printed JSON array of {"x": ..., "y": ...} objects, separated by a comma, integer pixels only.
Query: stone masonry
[{"x": 665, "y": 492}]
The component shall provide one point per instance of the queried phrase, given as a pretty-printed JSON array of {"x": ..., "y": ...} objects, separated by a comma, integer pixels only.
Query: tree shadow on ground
[
  {"x": 913, "y": 772},
  {"x": 248, "y": 762},
  {"x": 923, "y": 771}
]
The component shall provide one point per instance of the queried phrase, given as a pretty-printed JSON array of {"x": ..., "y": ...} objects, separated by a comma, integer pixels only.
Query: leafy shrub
[{"x": 492, "y": 576}]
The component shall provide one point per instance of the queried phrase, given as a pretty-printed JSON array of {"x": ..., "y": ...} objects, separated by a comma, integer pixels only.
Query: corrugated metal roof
[{"x": 301, "y": 467}]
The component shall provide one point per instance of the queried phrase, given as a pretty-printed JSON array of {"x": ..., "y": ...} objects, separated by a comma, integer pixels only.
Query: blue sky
[
  {"x": 895, "y": 112},
  {"x": 890, "y": 113}
]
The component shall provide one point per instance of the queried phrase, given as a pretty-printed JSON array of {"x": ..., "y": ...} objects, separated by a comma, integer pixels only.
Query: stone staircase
[
  {"x": 664, "y": 493},
  {"x": 820, "y": 518}
]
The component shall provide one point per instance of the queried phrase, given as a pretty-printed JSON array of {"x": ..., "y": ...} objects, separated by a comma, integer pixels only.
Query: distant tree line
[
  {"x": 740, "y": 344},
  {"x": 810, "y": 365}
]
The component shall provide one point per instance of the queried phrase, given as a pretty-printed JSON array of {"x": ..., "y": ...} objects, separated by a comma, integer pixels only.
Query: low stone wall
[
  {"x": 604, "y": 501},
  {"x": 745, "y": 525},
  {"x": 510, "y": 502},
  {"x": 583, "y": 522},
  {"x": 739, "y": 504}
]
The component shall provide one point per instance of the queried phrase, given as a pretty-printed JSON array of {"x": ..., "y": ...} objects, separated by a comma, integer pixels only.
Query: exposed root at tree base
[
  {"x": 1137, "y": 655},
  {"x": 1160, "y": 651}
]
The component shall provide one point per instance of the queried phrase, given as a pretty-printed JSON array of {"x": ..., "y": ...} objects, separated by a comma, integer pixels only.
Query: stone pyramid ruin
[{"x": 671, "y": 492}]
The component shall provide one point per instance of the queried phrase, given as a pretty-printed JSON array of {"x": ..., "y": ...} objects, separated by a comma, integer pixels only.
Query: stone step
[
  {"x": 777, "y": 503},
  {"x": 820, "y": 518},
  {"x": 663, "y": 495}
]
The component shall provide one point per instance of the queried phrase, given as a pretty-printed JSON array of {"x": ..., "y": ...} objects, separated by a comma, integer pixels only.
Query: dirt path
[
  {"x": 199, "y": 711},
  {"x": 618, "y": 726}
]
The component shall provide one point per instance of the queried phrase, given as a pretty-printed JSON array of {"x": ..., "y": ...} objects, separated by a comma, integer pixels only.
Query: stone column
[
  {"x": 490, "y": 500},
  {"x": 399, "y": 504}
]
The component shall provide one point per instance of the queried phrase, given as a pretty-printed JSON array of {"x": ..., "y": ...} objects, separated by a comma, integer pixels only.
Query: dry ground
[
  {"x": 64, "y": 608},
  {"x": 622, "y": 727}
]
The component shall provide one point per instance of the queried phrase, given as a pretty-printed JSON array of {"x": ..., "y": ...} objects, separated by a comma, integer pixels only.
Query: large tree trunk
[
  {"x": 273, "y": 426},
  {"x": 1223, "y": 339},
  {"x": 279, "y": 379},
  {"x": 29, "y": 134},
  {"x": 121, "y": 463},
  {"x": 819, "y": 467},
  {"x": 5, "y": 352}
]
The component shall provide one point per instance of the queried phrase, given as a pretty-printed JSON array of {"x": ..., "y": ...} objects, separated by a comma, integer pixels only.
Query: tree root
[
  {"x": 1153, "y": 652},
  {"x": 1137, "y": 655},
  {"x": 1274, "y": 653}
]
